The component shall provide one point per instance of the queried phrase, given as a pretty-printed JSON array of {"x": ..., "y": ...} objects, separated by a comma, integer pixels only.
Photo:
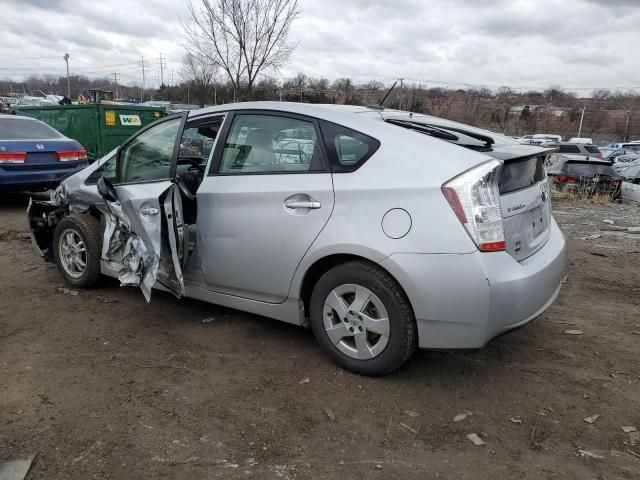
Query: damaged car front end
[{"x": 128, "y": 226}]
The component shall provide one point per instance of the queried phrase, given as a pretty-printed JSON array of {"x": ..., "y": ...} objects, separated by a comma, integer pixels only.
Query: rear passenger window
[
  {"x": 347, "y": 148},
  {"x": 271, "y": 144}
]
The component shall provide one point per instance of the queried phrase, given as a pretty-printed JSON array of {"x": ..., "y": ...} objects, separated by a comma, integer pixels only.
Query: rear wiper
[
  {"x": 488, "y": 141},
  {"x": 422, "y": 128}
]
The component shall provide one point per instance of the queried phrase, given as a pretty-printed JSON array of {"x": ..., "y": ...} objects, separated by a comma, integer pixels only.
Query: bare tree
[
  {"x": 200, "y": 74},
  {"x": 244, "y": 37}
]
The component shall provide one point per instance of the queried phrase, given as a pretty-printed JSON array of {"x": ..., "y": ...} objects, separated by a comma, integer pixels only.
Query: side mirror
[{"x": 107, "y": 190}]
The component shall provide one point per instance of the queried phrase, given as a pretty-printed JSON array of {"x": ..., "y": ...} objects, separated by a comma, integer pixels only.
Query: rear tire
[
  {"x": 349, "y": 305},
  {"x": 77, "y": 247}
]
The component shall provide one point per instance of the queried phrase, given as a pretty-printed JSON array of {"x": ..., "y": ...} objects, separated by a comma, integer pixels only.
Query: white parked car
[
  {"x": 382, "y": 230},
  {"x": 584, "y": 140}
]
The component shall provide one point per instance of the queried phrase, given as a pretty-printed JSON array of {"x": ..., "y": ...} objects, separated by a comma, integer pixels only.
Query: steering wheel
[{"x": 194, "y": 162}]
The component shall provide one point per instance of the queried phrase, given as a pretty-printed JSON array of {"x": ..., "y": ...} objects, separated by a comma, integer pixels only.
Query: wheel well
[{"x": 320, "y": 267}]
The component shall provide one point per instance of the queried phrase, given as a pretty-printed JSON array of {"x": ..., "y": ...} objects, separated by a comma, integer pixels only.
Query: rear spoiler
[{"x": 516, "y": 152}]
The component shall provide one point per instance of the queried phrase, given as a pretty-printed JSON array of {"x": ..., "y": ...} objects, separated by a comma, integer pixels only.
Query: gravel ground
[{"x": 102, "y": 385}]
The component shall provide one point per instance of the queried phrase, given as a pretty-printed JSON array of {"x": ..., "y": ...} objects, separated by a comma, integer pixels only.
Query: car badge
[{"x": 39, "y": 146}]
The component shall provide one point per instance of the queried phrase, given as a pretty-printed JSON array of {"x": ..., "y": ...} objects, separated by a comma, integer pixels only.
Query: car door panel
[
  {"x": 266, "y": 198},
  {"x": 254, "y": 242},
  {"x": 143, "y": 208},
  {"x": 144, "y": 229}
]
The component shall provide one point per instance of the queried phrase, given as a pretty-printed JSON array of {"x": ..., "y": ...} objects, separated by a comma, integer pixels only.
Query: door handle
[
  {"x": 149, "y": 211},
  {"x": 302, "y": 204}
]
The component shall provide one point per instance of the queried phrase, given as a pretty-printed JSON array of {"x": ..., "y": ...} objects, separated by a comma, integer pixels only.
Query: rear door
[
  {"x": 267, "y": 195},
  {"x": 146, "y": 230}
]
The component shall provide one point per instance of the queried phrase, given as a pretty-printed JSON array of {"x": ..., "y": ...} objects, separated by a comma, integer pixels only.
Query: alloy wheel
[{"x": 356, "y": 321}]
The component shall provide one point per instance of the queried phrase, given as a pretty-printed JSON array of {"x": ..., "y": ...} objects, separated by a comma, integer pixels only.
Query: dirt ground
[{"x": 102, "y": 385}]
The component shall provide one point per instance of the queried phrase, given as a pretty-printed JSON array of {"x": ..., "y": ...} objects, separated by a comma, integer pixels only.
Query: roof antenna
[{"x": 380, "y": 106}]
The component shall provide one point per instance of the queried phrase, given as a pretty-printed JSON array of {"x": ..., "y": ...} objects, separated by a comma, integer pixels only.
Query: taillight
[
  {"x": 14, "y": 157},
  {"x": 72, "y": 155},
  {"x": 566, "y": 179},
  {"x": 475, "y": 199}
]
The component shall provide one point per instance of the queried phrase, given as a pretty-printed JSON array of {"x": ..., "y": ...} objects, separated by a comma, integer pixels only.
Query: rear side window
[
  {"x": 26, "y": 130},
  {"x": 592, "y": 149},
  {"x": 348, "y": 149},
  {"x": 569, "y": 149}
]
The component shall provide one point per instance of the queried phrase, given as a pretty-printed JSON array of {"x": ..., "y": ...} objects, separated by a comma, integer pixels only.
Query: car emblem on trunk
[{"x": 39, "y": 146}]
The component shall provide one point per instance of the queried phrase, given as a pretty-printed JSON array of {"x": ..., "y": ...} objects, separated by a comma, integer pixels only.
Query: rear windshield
[
  {"x": 592, "y": 149},
  {"x": 589, "y": 169},
  {"x": 522, "y": 173},
  {"x": 13, "y": 129},
  {"x": 569, "y": 149}
]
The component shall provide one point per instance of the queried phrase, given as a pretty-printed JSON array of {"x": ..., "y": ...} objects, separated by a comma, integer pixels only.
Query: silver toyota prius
[{"x": 382, "y": 230}]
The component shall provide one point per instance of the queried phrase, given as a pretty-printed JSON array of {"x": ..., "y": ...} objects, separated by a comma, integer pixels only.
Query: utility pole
[
  {"x": 162, "y": 60},
  {"x": 172, "y": 83},
  {"x": 142, "y": 91},
  {"x": 626, "y": 127},
  {"x": 401, "y": 94},
  {"x": 66, "y": 59},
  {"x": 115, "y": 77},
  {"x": 581, "y": 119}
]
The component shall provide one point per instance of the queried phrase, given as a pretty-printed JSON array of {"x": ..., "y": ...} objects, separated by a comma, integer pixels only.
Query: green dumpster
[{"x": 98, "y": 127}]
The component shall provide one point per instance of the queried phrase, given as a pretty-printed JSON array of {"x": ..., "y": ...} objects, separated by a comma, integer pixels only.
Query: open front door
[{"x": 144, "y": 235}]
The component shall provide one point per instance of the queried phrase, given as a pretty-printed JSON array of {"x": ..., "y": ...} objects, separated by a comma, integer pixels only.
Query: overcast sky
[{"x": 578, "y": 44}]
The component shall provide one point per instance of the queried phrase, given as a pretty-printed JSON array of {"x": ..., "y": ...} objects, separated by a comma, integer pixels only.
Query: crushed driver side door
[{"x": 144, "y": 229}]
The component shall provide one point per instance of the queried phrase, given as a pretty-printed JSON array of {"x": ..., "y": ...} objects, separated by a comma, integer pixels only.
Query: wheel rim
[
  {"x": 356, "y": 321},
  {"x": 72, "y": 253}
]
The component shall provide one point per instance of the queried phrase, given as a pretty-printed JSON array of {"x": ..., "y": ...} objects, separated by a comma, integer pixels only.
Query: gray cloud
[{"x": 575, "y": 43}]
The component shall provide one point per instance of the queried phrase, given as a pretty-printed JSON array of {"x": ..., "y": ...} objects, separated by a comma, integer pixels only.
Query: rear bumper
[
  {"x": 41, "y": 178},
  {"x": 463, "y": 301}
]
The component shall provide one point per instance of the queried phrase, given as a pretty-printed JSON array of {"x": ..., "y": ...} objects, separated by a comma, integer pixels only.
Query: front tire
[
  {"x": 77, "y": 246},
  {"x": 362, "y": 318}
]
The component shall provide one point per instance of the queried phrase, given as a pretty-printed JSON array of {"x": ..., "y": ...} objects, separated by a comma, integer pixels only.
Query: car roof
[{"x": 18, "y": 118}]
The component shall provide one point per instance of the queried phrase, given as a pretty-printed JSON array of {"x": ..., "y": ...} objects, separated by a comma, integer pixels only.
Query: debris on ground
[
  {"x": 613, "y": 228},
  {"x": 515, "y": 420},
  {"x": 304, "y": 380},
  {"x": 592, "y": 419},
  {"x": 595, "y": 454},
  {"x": 16, "y": 469},
  {"x": 330, "y": 414},
  {"x": 476, "y": 440},
  {"x": 68, "y": 291},
  {"x": 635, "y": 454},
  {"x": 573, "y": 332},
  {"x": 407, "y": 427},
  {"x": 208, "y": 319},
  {"x": 592, "y": 237},
  {"x": 633, "y": 229},
  {"x": 608, "y": 221},
  {"x": 378, "y": 466},
  {"x": 411, "y": 413},
  {"x": 598, "y": 254},
  {"x": 629, "y": 429},
  {"x": 461, "y": 416}
]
